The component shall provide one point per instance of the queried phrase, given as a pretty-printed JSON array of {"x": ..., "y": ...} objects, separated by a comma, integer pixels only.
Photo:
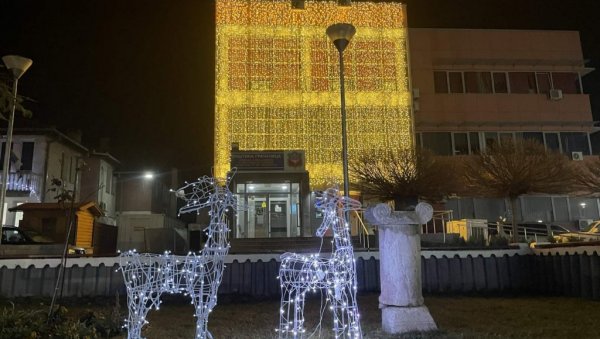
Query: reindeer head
[
  {"x": 207, "y": 192},
  {"x": 333, "y": 204}
]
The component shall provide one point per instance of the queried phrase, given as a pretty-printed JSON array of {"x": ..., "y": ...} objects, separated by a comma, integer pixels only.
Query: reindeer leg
[
  {"x": 284, "y": 310},
  {"x": 353, "y": 314},
  {"x": 201, "y": 319},
  {"x": 137, "y": 319},
  {"x": 299, "y": 296},
  {"x": 336, "y": 310},
  {"x": 346, "y": 322}
]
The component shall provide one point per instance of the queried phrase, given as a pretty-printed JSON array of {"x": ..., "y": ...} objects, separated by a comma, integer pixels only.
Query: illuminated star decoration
[
  {"x": 148, "y": 276},
  {"x": 335, "y": 275}
]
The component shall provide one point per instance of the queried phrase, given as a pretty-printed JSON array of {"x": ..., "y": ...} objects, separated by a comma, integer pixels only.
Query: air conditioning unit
[
  {"x": 578, "y": 156},
  {"x": 584, "y": 223},
  {"x": 416, "y": 106},
  {"x": 416, "y": 93},
  {"x": 555, "y": 94}
]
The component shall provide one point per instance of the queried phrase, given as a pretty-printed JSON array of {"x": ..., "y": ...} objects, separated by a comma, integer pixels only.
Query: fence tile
[{"x": 572, "y": 275}]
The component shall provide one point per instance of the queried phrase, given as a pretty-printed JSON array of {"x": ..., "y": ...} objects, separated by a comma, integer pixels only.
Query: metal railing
[
  {"x": 24, "y": 181},
  {"x": 363, "y": 231},
  {"x": 438, "y": 222}
]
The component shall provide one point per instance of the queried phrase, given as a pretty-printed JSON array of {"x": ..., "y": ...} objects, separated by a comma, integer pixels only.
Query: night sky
[{"x": 141, "y": 72}]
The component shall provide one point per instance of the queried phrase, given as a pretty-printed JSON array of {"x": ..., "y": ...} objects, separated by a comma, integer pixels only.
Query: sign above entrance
[{"x": 286, "y": 161}]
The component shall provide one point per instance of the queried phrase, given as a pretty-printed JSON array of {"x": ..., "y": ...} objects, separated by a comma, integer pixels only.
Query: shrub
[
  {"x": 35, "y": 324},
  {"x": 476, "y": 241},
  {"x": 105, "y": 326},
  {"x": 498, "y": 241}
]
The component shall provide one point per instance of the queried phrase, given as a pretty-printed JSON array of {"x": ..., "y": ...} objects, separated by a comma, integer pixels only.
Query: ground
[{"x": 457, "y": 317}]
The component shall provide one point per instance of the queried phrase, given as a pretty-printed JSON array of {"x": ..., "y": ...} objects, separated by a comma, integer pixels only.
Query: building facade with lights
[
  {"x": 278, "y": 98},
  {"x": 277, "y": 92}
]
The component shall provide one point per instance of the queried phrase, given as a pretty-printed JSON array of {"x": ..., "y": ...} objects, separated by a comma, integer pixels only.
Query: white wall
[
  {"x": 57, "y": 154},
  {"x": 107, "y": 192}
]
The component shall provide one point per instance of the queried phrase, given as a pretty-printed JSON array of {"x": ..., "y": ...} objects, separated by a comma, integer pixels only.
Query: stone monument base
[{"x": 406, "y": 319}]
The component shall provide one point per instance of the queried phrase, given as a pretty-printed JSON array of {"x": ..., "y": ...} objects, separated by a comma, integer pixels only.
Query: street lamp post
[
  {"x": 341, "y": 34},
  {"x": 18, "y": 66}
]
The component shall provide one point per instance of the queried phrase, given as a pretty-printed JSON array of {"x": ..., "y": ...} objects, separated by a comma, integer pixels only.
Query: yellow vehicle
[{"x": 592, "y": 234}]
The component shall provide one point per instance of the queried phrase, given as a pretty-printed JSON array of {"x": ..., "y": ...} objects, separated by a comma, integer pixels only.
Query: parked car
[
  {"x": 529, "y": 230},
  {"x": 592, "y": 234},
  {"x": 20, "y": 243}
]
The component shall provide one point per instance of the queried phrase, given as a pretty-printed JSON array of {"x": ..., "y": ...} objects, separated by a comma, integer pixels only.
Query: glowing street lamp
[
  {"x": 122, "y": 176},
  {"x": 17, "y": 65},
  {"x": 341, "y": 34},
  {"x": 298, "y": 4}
]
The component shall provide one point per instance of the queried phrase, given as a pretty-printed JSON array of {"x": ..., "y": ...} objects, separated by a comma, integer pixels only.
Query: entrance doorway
[{"x": 272, "y": 210}]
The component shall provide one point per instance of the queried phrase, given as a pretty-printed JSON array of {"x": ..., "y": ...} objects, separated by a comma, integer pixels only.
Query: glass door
[
  {"x": 279, "y": 217},
  {"x": 258, "y": 217},
  {"x": 273, "y": 210}
]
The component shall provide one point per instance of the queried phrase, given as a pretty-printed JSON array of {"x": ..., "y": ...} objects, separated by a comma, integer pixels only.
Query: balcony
[
  {"x": 512, "y": 111},
  {"x": 24, "y": 182}
]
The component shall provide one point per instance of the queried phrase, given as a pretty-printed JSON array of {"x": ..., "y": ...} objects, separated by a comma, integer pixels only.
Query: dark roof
[
  {"x": 49, "y": 132},
  {"x": 109, "y": 157},
  {"x": 48, "y": 206}
]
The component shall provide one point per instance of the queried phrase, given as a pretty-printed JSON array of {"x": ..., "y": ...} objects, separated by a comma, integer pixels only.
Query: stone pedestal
[
  {"x": 401, "y": 299},
  {"x": 406, "y": 319}
]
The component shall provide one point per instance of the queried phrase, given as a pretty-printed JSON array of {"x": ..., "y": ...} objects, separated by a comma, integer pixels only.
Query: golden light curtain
[{"x": 277, "y": 82}]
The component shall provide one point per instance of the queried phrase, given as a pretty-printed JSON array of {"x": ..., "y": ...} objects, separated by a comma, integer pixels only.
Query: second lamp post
[{"x": 341, "y": 34}]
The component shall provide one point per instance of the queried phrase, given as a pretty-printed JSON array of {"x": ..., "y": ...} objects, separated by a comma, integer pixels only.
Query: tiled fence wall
[{"x": 564, "y": 274}]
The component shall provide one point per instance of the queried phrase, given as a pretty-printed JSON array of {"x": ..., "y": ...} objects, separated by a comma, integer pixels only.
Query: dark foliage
[{"x": 404, "y": 175}]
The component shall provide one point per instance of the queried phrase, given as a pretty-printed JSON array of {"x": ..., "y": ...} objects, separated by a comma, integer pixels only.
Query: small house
[{"x": 50, "y": 220}]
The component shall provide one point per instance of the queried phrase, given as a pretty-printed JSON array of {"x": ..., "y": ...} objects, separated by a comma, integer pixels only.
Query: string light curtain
[{"x": 277, "y": 82}]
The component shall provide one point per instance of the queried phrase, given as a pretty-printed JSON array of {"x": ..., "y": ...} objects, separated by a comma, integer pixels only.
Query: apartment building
[{"x": 473, "y": 88}]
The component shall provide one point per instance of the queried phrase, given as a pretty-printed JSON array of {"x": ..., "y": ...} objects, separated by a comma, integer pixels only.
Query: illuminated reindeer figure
[
  {"x": 336, "y": 274},
  {"x": 203, "y": 272},
  {"x": 147, "y": 276}
]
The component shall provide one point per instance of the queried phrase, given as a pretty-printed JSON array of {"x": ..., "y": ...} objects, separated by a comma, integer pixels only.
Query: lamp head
[
  {"x": 341, "y": 34},
  {"x": 298, "y": 4},
  {"x": 18, "y": 65}
]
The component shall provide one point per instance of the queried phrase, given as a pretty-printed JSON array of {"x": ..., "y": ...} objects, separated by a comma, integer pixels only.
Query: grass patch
[{"x": 457, "y": 317}]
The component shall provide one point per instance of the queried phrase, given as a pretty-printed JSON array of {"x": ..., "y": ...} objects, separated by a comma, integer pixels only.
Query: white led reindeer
[
  {"x": 203, "y": 272},
  {"x": 336, "y": 274},
  {"x": 147, "y": 276}
]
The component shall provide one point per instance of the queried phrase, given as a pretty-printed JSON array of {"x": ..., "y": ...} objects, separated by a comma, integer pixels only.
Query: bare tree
[
  {"x": 6, "y": 97},
  {"x": 511, "y": 169},
  {"x": 587, "y": 177},
  {"x": 403, "y": 176}
]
